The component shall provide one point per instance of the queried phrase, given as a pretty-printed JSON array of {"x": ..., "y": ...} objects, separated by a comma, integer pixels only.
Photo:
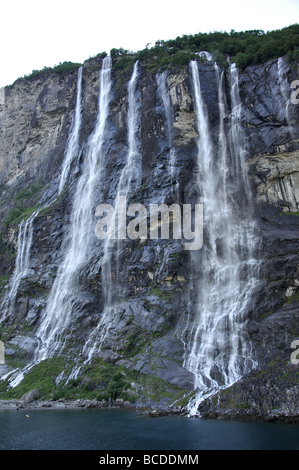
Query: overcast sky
[{"x": 38, "y": 33}]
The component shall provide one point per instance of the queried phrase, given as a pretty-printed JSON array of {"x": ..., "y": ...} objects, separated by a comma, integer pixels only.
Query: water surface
[{"x": 133, "y": 430}]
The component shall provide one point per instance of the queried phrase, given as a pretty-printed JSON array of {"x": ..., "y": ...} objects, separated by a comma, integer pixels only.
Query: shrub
[{"x": 116, "y": 385}]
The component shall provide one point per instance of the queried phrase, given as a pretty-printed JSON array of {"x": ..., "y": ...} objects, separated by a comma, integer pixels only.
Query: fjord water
[{"x": 131, "y": 430}]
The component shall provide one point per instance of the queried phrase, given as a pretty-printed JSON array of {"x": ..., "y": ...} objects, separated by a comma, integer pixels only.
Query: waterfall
[
  {"x": 58, "y": 311},
  {"x": 73, "y": 140},
  {"x": 21, "y": 266},
  {"x": 284, "y": 89},
  {"x": 130, "y": 177},
  {"x": 129, "y": 181},
  {"x": 163, "y": 93},
  {"x": 128, "y": 184},
  {"x": 218, "y": 348},
  {"x": 26, "y": 228}
]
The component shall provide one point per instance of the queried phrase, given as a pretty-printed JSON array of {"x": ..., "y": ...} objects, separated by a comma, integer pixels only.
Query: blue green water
[{"x": 131, "y": 430}]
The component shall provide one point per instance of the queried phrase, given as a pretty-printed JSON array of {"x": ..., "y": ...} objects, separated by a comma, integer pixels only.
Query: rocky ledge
[
  {"x": 63, "y": 404},
  {"x": 208, "y": 410}
]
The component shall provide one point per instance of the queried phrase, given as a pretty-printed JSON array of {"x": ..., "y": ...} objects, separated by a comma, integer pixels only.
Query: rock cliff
[{"x": 138, "y": 350}]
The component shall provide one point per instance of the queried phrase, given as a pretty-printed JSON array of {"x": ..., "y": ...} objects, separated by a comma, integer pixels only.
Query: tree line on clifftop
[{"x": 244, "y": 48}]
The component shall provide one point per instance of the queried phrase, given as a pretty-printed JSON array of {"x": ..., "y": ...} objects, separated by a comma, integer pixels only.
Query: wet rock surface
[{"x": 152, "y": 279}]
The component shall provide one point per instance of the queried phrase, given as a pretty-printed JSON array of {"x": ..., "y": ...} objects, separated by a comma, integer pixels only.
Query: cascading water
[
  {"x": 169, "y": 118},
  {"x": 57, "y": 314},
  {"x": 129, "y": 182},
  {"x": 284, "y": 90},
  {"x": 130, "y": 177},
  {"x": 218, "y": 350},
  {"x": 21, "y": 270},
  {"x": 287, "y": 191},
  {"x": 21, "y": 267},
  {"x": 73, "y": 140},
  {"x": 26, "y": 227}
]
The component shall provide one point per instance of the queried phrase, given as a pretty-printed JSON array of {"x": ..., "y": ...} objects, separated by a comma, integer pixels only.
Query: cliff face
[{"x": 140, "y": 333}]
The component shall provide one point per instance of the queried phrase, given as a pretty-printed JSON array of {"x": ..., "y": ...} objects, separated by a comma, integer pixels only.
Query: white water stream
[
  {"x": 129, "y": 181},
  {"x": 218, "y": 348},
  {"x": 58, "y": 311},
  {"x": 22, "y": 265},
  {"x": 72, "y": 147}
]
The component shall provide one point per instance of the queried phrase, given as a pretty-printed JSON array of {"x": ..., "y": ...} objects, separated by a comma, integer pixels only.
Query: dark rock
[
  {"x": 153, "y": 281},
  {"x": 30, "y": 396}
]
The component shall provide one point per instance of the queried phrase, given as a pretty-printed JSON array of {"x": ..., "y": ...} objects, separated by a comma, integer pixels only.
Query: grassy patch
[
  {"x": 41, "y": 377},
  {"x": 25, "y": 204},
  {"x": 292, "y": 213},
  {"x": 156, "y": 388},
  {"x": 29, "y": 192},
  {"x": 134, "y": 342},
  {"x": 163, "y": 295},
  {"x": 18, "y": 214},
  {"x": 294, "y": 297},
  {"x": 183, "y": 397},
  {"x": 3, "y": 281},
  {"x": 98, "y": 380}
]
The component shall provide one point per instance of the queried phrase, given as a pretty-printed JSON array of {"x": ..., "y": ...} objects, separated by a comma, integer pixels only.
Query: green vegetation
[
  {"x": 30, "y": 191},
  {"x": 17, "y": 214},
  {"x": 60, "y": 69},
  {"x": 102, "y": 55},
  {"x": 117, "y": 385},
  {"x": 163, "y": 295},
  {"x": 156, "y": 388},
  {"x": 294, "y": 297},
  {"x": 41, "y": 377},
  {"x": 3, "y": 281},
  {"x": 183, "y": 398},
  {"x": 21, "y": 209},
  {"x": 293, "y": 213},
  {"x": 245, "y": 48},
  {"x": 99, "y": 380},
  {"x": 134, "y": 342}
]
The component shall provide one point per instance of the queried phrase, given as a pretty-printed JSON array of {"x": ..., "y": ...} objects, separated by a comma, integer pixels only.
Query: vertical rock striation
[{"x": 145, "y": 308}]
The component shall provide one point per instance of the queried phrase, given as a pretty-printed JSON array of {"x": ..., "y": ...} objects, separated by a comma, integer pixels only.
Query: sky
[{"x": 38, "y": 33}]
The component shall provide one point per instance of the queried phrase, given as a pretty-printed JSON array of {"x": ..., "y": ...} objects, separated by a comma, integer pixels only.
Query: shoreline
[
  {"x": 62, "y": 404},
  {"x": 149, "y": 410}
]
